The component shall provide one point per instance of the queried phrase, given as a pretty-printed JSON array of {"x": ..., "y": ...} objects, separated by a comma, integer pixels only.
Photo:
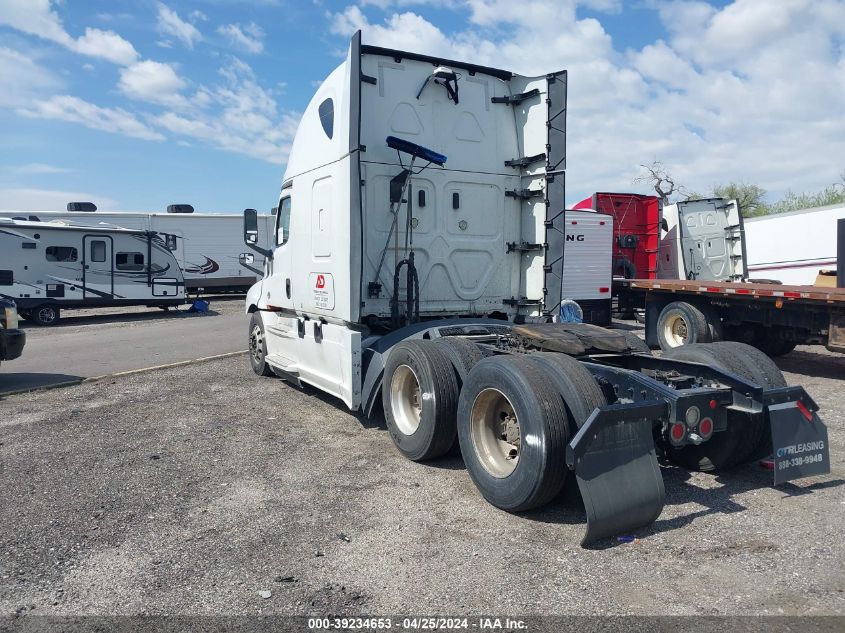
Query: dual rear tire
[{"x": 513, "y": 415}]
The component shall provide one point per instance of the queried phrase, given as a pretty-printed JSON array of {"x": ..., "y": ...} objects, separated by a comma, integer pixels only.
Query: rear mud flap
[
  {"x": 799, "y": 438},
  {"x": 616, "y": 467}
]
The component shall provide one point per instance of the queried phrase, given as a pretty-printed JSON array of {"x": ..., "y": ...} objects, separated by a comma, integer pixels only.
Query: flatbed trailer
[{"x": 773, "y": 317}]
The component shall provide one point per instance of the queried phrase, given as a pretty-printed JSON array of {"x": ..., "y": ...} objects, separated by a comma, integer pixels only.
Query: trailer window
[
  {"x": 129, "y": 261},
  {"x": 98, "y": 251},
  {"x": 283, "y": 222},
  {"x": 61, "y": 254}
]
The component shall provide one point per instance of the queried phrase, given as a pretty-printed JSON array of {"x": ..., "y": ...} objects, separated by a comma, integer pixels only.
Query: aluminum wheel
[
  {"x": 495, "y": 432},
  {"x": 45, "y": 315},
  {"x": 676, "y": 330},
  {"x": 406, "y": 399},
  {"x": 256, "y": 344}
]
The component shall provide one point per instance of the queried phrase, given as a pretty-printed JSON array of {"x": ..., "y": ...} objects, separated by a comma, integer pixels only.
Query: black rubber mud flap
[
  {"x": 799, "y": 438},
  {"x": 616, "y": 467}
]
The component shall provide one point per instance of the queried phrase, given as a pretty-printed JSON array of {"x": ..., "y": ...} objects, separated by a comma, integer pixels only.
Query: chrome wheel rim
[
  {"x": 46, "y": 315},
  {"x": 676, "y": 331},
  {"x": 406, "y": 399},
  {"x": 495, "y": 432},
  {"x": 256, "y": 345}
]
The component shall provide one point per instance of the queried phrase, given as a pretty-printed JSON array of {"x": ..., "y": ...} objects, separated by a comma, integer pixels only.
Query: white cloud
[
  {"x": 247, "y": 37},
  {"x": 169, "y": 23},
  {"x": 153, "y": 82},
  {"x": 37, "y": 17},
  {"x": 107, "y": 45},
  {"x": 751, "y": 91},
  {"x": 76, "y": 110},
  {"x": 238, "y": 116},
  {"x": 23, "y": 79},
  {"x": 39, "y": 169},
  {"x": 27, "y": 199}
]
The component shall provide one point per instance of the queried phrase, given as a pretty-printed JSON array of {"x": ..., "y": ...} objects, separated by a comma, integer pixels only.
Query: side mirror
[
  {"x": 250, "y": 227},
  {"x": 251, "y": 234},
  {"x": 246, "y": 258}
]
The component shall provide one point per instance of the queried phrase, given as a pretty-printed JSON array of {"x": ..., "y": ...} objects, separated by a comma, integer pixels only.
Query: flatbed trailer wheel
[
  {"x": 258, "y": 346},
  {"x": 513, "y": 430},
  {"x": 745, "y": 434},
  {"x": 420, "y": 395},
  {"x": 681, "y": 323}
]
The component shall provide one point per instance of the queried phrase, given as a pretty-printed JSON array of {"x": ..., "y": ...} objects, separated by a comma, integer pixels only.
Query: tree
[
  {"x": 750, "y": 197},
  {"x": 661, "y": 181}
]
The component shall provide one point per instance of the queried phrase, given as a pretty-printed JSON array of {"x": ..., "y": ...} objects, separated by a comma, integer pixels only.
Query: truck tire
[
  {"x": 774, "y": 347},
  {"x": 506, "y": 399},
  {"x": 635, "y": 344},
  {"x": 762, "y": 370},
  {"x": 681, "y": 323},
  {"x": 744, "y": 434},
  {"x": 46, "y": 314},
  {"x": 574, "y": 383},
  {"x": 258, "y": 346},
  {"x": 462, "y": 353},
  {"x": 420, "y": 395}
]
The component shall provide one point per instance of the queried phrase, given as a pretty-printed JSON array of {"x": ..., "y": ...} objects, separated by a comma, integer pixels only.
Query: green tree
[{"x": 751, "y": 198}]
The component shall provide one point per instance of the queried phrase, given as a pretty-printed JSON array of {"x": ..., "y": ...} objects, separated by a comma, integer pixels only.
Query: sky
[{"x": 137, "y": 104}]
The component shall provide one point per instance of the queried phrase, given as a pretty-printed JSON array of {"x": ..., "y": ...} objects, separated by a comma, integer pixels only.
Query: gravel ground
[{"x": 197, "y": 490}]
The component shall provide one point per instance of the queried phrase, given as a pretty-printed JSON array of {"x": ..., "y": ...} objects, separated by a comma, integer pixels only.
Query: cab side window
[{"x": 283, "y": 222}]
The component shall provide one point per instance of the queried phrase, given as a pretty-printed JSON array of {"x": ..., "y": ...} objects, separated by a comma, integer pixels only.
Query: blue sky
[{"x": 138, "y": 104}]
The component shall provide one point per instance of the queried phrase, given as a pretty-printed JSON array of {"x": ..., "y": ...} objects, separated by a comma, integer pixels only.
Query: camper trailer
[
  {"x": 418, "y": 267},
  {"x": 47, "y": 266},
  {"x": 206, "y": 245}
]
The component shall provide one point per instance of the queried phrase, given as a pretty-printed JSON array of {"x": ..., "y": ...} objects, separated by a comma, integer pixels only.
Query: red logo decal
[{"x": 321, "y": 281}]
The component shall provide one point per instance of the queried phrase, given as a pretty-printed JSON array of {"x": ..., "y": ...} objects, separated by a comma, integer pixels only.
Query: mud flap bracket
[{"x": 616, "y": 467}]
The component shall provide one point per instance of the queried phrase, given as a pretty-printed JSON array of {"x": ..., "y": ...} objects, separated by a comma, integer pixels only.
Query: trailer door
[{"x": 97, "y": 267}]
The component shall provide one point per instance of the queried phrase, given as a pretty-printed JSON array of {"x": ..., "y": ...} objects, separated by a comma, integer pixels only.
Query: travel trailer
[
  {"x": 206, "y": 245},
  {"x": 418, "y": 266},
  {"x": 793, "y": 247},
  {"x": 47, "y": 266}
]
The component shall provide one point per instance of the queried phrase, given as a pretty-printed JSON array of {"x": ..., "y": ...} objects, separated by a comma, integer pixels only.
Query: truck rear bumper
[{"x": 11, "y": 344}]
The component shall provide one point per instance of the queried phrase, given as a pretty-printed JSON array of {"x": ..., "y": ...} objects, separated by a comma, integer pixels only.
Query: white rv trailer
[
  {"x": 206, "y": 245},
  {"x": 47, "y": 266},
  {"x": 428, "y": 281},
  {"x": 792, "y": 247}
]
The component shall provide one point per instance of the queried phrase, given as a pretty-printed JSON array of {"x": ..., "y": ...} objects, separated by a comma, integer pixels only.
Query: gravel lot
[{"x": 192, "y": 490}]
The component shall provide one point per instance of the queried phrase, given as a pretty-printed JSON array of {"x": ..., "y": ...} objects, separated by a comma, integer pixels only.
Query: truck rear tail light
[
  {"x": 713, "y": 404},
  {"x": 705, "y": 428},
  {"x": 677, "y": 432},
  {"x": 604, "y": 289}
]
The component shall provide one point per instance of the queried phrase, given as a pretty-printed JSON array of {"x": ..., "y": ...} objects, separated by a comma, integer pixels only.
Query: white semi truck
[{"x": 419, "y": 264}]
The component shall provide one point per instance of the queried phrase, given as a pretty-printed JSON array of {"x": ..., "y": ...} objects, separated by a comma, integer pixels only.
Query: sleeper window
[
  {"x": 61, "y": 254},
  {"x": 283, "y": 220},
  {"x": 98, "y": 251},
  {"x": 129, "y": 261}
]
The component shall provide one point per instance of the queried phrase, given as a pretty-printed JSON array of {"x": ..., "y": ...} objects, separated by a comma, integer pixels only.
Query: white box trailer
[
  {"x": 418, "y": 266},
  {"x": 206, "y": 245},
  {"x": 47, "y": 266},
  {"x": 792, "y": 247}
]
